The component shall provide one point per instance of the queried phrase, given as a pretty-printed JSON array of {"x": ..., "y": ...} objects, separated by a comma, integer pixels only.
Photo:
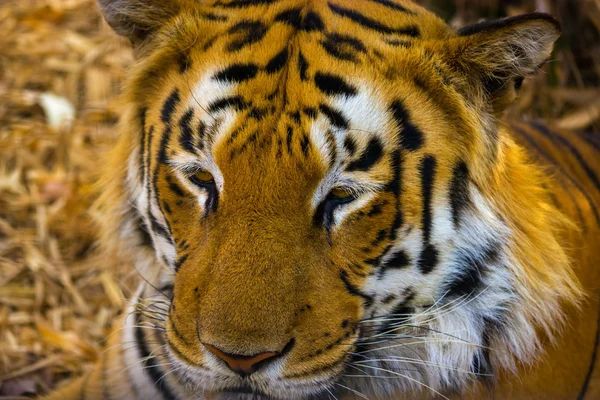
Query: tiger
[{"x": 325, "y": 200}]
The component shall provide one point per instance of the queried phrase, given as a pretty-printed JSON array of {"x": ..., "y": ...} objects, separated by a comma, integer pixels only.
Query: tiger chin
[{"x": 325, "y": 201}]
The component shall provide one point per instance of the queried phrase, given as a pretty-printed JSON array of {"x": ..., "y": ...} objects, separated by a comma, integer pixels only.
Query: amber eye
[
  {"x": 341, "y": 195},
  {"x": 202, "y": 178}
]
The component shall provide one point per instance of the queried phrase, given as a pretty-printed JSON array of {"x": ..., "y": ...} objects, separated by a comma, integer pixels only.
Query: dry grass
[{"x": 58, "y": 295}]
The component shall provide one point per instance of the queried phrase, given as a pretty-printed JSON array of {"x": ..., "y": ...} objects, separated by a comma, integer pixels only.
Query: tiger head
[{"x": 330, "y": 191}]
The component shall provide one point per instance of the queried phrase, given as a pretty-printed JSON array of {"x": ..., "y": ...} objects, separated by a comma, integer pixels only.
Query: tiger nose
[{"x": 242, "y": 365}]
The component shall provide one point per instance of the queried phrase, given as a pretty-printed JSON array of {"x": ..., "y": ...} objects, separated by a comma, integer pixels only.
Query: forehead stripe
[
  {"x": 411, "y": 138},
  {"x": 237, "y": 73},
  {"x": 243, "y": 3},
  {"x": 290, "y": 17},
  {"x": 236, "y": 102},
  {"x": 312, "y": 22},
  {"x": 369, "y": 23},
  {"x": 248, "y": 32},
  {"x": 394, "y": 6},
  {"x": 369, "y": 157},
  {"x": 277, "y": 62},
  {"x": 342, "y": 47},
  {"x": 333, "y": 85},
  {"x": 169, "y": 106},
  {"x": 186, "y": 139}
]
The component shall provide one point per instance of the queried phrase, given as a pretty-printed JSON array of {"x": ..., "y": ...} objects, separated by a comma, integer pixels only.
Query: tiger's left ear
[{"x": 500, "y": 53}]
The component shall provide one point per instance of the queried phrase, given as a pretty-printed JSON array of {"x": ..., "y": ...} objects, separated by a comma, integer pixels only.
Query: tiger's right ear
[
  {"x": 139, "y": 19},
  {"x": 500, "y": 53}
]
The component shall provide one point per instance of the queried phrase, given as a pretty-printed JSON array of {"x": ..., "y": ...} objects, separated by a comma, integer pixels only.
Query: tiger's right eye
[{"x": 202, "y": 179}]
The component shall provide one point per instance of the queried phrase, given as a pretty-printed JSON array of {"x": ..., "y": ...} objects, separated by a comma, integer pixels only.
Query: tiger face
[{"x": 320, "y": 181}]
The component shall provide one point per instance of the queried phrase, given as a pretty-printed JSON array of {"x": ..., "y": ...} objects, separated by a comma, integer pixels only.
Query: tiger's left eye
[
  {"x": 202, "y": 178},
  {"x": 341, "y": 195}
]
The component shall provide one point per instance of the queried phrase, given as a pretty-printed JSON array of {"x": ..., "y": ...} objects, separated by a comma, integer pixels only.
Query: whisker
[
  {"x": 409, "y": 378},
  {"x": 356, "y": 392}
]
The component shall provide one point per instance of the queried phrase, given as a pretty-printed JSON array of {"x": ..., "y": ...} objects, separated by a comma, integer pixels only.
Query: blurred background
[{"x": 61, "y": 70}]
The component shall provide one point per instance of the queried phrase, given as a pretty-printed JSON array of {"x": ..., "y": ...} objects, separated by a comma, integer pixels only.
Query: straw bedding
[{"x": 61, "y": 70}]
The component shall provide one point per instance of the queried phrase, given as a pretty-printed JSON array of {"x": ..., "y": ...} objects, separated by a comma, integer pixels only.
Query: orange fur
[{"x": 257, "y": 273}]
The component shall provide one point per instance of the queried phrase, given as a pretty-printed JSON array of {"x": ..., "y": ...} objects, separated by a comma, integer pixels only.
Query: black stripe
[
  {"x": 590, "y": 372},
  {"x": 302, "y": 66},
  {"x": 369, "y": 23},
  {"x": 158, "y": 229},
  {"x": 175, "y": 188},
  {"x": 333, "y": 85},
  {"x": 343, "y": 47},
  {"x": 151, "y": 367},
  {"x": 277, "y": 62},
  {"x": 411, "y": 137},
  {"x": 243, "y": 3},
  {"x": 562, "y": 173},
  {"x": 332, "y": 144},
  {"x": 350, "y": 145},
  {"x": 312, "y": 22},
  {"x": 496, "y": 24},
  {"x": 145, "y": 240},
  {"x": 395, "y": 185},
  {"x": 305, "y": 144},
  {"x": 214, "y": 17},
  {"x": 248, "y": 32},
  {"x": 553, "y": 135},
  {"x": 180, "y": 261},
  {"x": 398, "y": 43},
  {"x": 162, "y": 149},
  {"x": 353, "y": 290},
  {"x": 394, "y": 6},
  {"x": 161, "y": 159},
  {"x": 289, "y": 136},
  {"x": 427, "y": 172},
  {"x": 369, "y": 157},
  {"x": 398, "y": 260},
  {"x": 185, "y": 139},
  {"x": 291, "y": 17},
  {"x": 148, "y": 180},
  {"x": 184, "y": 61},
  {"x": 236, "y": 102},
  {"x": 472, "y": 269},
  {"x": 237, "y": 73},
  {"x": 213, "y": 200},
  {"x": 459, "y": 191},
  {"x": 481, "y": 359},
  {"x": 169, "y": 107},
  {"x": 336, "y": 118},
  {"x": 201, "y": 135},
  {"x": 143, "y": 112},
  {"x": 376, "y": 261},
  {"x": 400, "y": 314},
  {"x": 593, "y": 139},
  {"x": 428, "y": 259}
]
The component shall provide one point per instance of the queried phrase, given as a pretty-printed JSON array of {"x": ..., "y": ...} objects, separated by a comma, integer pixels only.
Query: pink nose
[{"x": 243, "y": 365}]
